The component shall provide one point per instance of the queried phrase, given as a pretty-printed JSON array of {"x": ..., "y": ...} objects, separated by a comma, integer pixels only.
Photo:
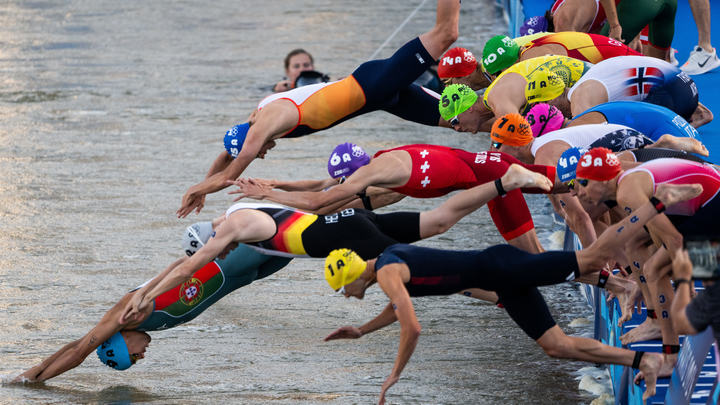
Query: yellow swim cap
[
  {"x": 342, "y": 267},
  {"x": 544, "y": 85}
]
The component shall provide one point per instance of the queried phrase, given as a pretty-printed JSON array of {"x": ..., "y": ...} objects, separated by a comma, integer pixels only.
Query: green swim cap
[
  {"x": 455, "y": 100},
  {"x": 500, "y": 53}
]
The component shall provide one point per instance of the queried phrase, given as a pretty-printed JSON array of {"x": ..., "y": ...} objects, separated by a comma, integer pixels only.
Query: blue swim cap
[
  {"x": 235, "y": 137},
  {"x": 567, "y": 164},
  {"x": 114, "y": 353}
]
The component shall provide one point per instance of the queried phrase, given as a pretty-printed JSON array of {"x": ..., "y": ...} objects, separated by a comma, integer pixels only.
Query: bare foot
[
  {"x": 647, "y": 330},
  {"x": 701, "y": 116},
  {"x": 689, "y": 145},
  {"x": 517, "y": 176},
  {"x": 650, "y": 366},
  {"x": 670, "y": 194},
  {"x": 627, "y": 293}
]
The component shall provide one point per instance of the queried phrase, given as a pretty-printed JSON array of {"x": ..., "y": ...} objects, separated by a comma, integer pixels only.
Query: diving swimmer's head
[
  {"x": 345, "y": 159},
  {"x": 456, "y": 62},
  {"x": 116, "y": 351},
  {"x": 599, "y": 164},
  {"x": 196, "y": 236},
  {"x": 544, "y": 118},
  {"x": 567, "y": 163},
  {"x": 234, "y": 139},
  {"x": 455, "y": 100},
  {"x": 342, "y": 267},
  {"x": 500, "y": 53},
  {"x": 512, "y": 130}
]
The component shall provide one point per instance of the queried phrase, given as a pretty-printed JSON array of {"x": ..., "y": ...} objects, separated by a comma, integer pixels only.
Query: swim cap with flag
[
  {"x": 114, "y": 353},
  {"x": 512, "y": 130},
  {"x": 455, "y": 100},
  {"x": 457, "y": 62},
  {"x": 544, "y": 118},
  {"x": 599, "y": 164},
  {"x": 342, "y": 267},
  {"x": 345, "y": 159},
  {"x": 234, "y": 139},
  {"x": 196, "y": 236},
  {"x": 567, "y": 164},
  {"x": 500, "y": 53}
]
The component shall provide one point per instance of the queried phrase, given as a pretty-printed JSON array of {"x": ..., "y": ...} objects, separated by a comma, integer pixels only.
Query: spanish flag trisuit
[{"x": 586, "y": 47}]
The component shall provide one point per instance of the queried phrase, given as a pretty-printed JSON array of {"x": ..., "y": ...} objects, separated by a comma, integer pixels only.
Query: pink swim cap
[{"x": 544, "y": 118}]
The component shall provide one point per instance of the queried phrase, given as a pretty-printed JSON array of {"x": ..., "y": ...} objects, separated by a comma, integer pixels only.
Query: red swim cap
[
  {"x": 598, "y": 164},
  {"x": 457, "y": 62}
]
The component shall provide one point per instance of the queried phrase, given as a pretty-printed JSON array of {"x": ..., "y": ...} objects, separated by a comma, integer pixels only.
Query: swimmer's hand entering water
[{"x": 345, "y": 332}]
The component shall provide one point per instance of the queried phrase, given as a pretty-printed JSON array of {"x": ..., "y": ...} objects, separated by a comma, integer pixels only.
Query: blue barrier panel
[{"x": 690, "y": 361}]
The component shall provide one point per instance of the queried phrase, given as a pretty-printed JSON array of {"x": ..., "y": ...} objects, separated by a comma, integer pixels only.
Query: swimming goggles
[{"x": 454, "y": 121}]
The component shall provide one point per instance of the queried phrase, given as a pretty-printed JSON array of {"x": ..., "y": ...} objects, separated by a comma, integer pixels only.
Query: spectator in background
[
  {"x": 297, "y": 61},
  {"x": 703, "y": 57}
]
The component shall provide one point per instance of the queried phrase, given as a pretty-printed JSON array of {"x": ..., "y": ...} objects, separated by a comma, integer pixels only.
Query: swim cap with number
[
  {"x": 500, "y": 53},
  {"x": 543, "y": 85},
  {"x": 457, "y": 62},
  {"x": 544, "y": 118},
  {"x": 114, "y": 352},
  {"x": 342, "y": 267},
  {"x": 196, "y": 236},
  {"x": 345, "y": 159},
  {"x": 512, "y": 130},
  {"x": 455, "y": 100},
  {"x": 234, "y": 139},
  {"x": 567, "y": 164},
  {"x": 598, "y": 164}
]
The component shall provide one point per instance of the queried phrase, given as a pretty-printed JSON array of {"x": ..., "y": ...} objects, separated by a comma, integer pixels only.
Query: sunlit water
[{"x": 111, "y": 109}]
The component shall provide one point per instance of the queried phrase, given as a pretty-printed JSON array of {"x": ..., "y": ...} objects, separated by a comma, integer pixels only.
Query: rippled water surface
[{"x": 111, "y": 109}]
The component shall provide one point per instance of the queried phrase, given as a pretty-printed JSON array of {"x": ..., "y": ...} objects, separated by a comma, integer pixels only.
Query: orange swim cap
[{"x": 512, "y": 130}]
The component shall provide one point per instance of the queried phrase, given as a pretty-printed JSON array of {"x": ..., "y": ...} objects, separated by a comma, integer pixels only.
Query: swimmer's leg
[
  {"x": 381, "y": 80},
  {"x": 529, "y": 310},
  {"x": 440, "y": 219},
  {"x": 661, "y": 295},
  {"x": 445, "y": 32}
]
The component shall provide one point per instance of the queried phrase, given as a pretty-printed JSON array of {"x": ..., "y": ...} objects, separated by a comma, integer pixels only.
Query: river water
[{"x": 111, "y": 109}]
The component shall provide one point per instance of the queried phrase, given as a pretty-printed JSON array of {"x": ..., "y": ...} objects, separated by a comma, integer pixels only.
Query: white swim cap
[{"x": 196, "y": 236}]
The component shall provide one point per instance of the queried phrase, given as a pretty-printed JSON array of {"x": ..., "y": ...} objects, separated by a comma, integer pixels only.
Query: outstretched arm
[
  {"x": 231, "y": 169},
  {"x": 381, "y": 172},
  {"x": 303, "y": 185},
  {"x": 74, "y": 353},
  {"x": 440, "y": 219},
  {"x": 390, "y": 280},
  {"x": 385, "y": 318}
]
